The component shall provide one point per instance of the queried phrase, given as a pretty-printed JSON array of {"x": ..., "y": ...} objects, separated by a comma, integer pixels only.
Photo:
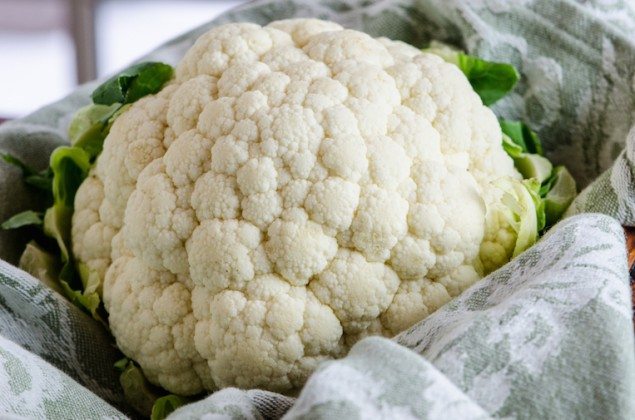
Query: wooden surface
[
  {"x": 82, "y": 28},
  {"x": 630, "y": 246}
]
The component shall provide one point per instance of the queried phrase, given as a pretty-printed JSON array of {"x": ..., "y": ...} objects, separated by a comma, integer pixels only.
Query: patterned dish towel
[{"x": 549, "y": 335}]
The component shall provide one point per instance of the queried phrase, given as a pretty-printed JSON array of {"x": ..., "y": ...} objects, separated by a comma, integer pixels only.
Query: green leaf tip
[
  {"x": 41, "y": 265},
  {"x": 122, "y": 364},
  {"x": 25, "y": 218},
  {"x": 533, "y": 166},
  {"x": 164, "y": 406},
  {"x": 70, "y": 167},
  {"x": 533, "y": 187},
  {"x": 559, "y": 197},
  {"x": 520, "y": 134},
  {"x": 521, "y": 212},
  {"x": 553, "y": 189},
  {"x": 88, "y": 302},
  {"x": 145, "y": 398},
  {"x": 90, "y": 126},
  {"x": 139, "y": 393},
  {"x": 41, "y": 180},
  {"x": 133, "y": 83},
  {"x": 490, "y": 80},
  {"x": 12, "y": 160}
]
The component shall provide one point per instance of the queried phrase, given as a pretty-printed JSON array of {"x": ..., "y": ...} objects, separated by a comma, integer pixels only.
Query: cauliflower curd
[{"x": 295, "y": 188}]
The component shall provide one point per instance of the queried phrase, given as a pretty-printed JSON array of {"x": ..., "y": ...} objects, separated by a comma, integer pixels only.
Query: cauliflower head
[{"x": 295, "y": 188}]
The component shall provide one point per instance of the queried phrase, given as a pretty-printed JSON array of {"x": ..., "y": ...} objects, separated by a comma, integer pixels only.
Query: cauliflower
[{"x": 294, "y": 188}]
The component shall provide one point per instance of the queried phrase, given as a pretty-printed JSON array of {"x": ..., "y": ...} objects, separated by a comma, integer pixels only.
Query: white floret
[{"x": 358, "y": 291}]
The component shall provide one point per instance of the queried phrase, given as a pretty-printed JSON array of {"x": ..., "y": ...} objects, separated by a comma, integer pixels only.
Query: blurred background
[{"x": 47, "y": 47}]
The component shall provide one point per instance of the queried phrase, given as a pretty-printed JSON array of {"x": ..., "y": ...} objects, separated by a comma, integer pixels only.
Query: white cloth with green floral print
[{"x": 549, "y": 335}]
